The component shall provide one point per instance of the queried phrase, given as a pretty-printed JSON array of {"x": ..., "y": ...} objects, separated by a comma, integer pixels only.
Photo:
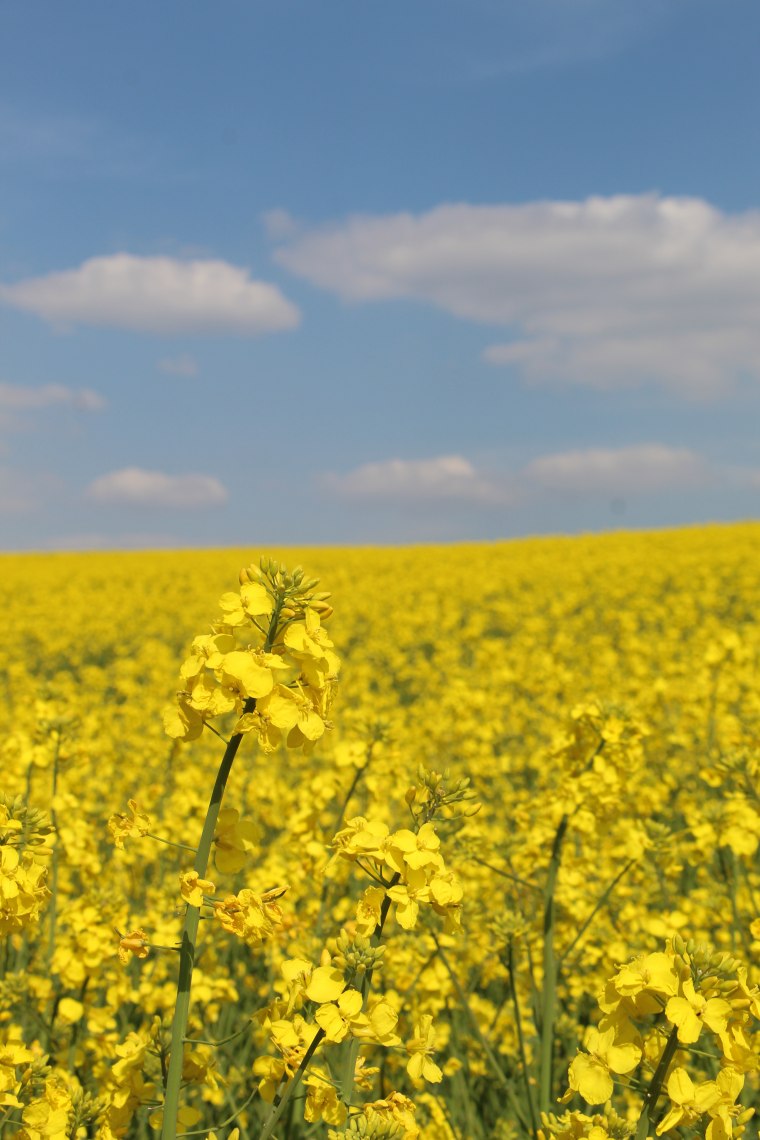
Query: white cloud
[
  {"x": 17, "y": 398},
  {"x": 637, "y": 470},
  {"x": 445, "y": 478},
  {"x": 182, "y": 365},
  {"x": 135, "y": 487},
  {"x": 607, "y": 292},
  {"x": 156, "y": 295},
  {"x": 642, "y": 468}
]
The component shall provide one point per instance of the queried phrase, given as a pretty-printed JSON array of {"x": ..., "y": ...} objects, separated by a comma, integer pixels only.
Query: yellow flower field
[{"x": 482, "y": 859}]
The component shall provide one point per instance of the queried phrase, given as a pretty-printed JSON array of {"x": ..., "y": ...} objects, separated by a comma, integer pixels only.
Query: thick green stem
[
  {"x": 189, "y": 935},
  {"x": 650, "y": 1100},
  {"x": 549, "y": 988}
]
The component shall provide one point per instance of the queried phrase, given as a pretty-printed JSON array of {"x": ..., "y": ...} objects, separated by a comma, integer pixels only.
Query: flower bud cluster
[
  {"x": 605, "y": 1125},
  {"x": 370, "y": 1125},
  {"x": 356, "y": 956},
  {"x": 24, "y": 826},
  {"x": 436, "y": 796}
]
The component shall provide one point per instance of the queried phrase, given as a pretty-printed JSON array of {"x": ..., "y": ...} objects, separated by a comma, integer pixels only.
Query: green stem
[
  {"x": 650, "y": 1100},
  {"x": 189, "y": 935},
  {"x": 217, "y": 1044},
  {"x": 599, "y": 904},
  {"x": 498, "y": 1071},
  {"x": 54, "y": 858},
  {"x": 728, "y": 871},
  {"x": 520, "y": 1037},
  {"x": 223, "y": 1124},
  {"x": 352, "y": 787},
  {"x": 278, "y": 1107},
  {"x": 338, "y": 820},
  {"x": 354, "y": 1045},
  {"x": 549, "y": 987},
  {"x": 506, "y": 874},
  {"x": 169, "y": 842}
]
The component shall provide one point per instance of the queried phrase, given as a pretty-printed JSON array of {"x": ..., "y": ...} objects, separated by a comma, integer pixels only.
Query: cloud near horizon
[
  {"x": 606, "y": 292},
  {"x": 136, "y": 487},
  {"x": 18, "y": 398},
  {"x": 160, "y": 295},
  {"x": 639, "y": 469},
  {"x": 446, "y": 478}
]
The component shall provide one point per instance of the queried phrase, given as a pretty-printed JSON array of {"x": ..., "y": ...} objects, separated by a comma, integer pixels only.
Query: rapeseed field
[{"x": 452, "y": 843}]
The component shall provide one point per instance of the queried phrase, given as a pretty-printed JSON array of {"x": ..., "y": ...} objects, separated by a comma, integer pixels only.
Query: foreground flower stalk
[
  {"x": 189, "y": 936},
  {"x": 280, "y": 689}
]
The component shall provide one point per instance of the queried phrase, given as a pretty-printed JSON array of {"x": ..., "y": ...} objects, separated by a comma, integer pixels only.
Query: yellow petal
[
  {"x": 329, "y": 1019},
  {"x": 326, "y": 984},
  {"x": 350, "y": 1003},
  {"x": 590, "y": 1078},
  {"x": 680, "y": 1012},
  {"x": 256, "y": 679},
  {"x": 680, "y": 1086},
  {"x": 256, "y": 601}
]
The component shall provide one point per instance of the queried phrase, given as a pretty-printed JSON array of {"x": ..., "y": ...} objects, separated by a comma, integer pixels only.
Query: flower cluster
[
  {"x": 249, "y": 916},
  {"x": 654, "y": 1009},
  {"x": 268, "y": 659},
  {"x": 409, "y": 867},
  {"x": 24, "y": 856}
]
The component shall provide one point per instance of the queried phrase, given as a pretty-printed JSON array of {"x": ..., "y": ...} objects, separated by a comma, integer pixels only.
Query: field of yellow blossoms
[{"x": 467, "y": 849}]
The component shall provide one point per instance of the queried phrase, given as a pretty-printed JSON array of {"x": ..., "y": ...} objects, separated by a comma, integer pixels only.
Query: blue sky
[{"x": 336, "y": 272}]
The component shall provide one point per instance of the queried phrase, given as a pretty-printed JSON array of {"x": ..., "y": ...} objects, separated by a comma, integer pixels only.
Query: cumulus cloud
[
  {"x": 17, "y": 398},
  {"x": 444, "y": 479},
  {"x": 182, "y": 365},
  {"x": 135, "y": 487},
  {"x": 607, "y": 292},
  {"x": 641, "y": 469},
  {"x": 156, "y": 295}
]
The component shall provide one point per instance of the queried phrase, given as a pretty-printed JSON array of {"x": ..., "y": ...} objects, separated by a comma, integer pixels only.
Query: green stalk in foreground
[
  {"x": 650, "y": 1101},
  {"x": 549, "y": 989},
  {"x": 274, "y": 607},
  {"x": 189, "y": 935}
]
